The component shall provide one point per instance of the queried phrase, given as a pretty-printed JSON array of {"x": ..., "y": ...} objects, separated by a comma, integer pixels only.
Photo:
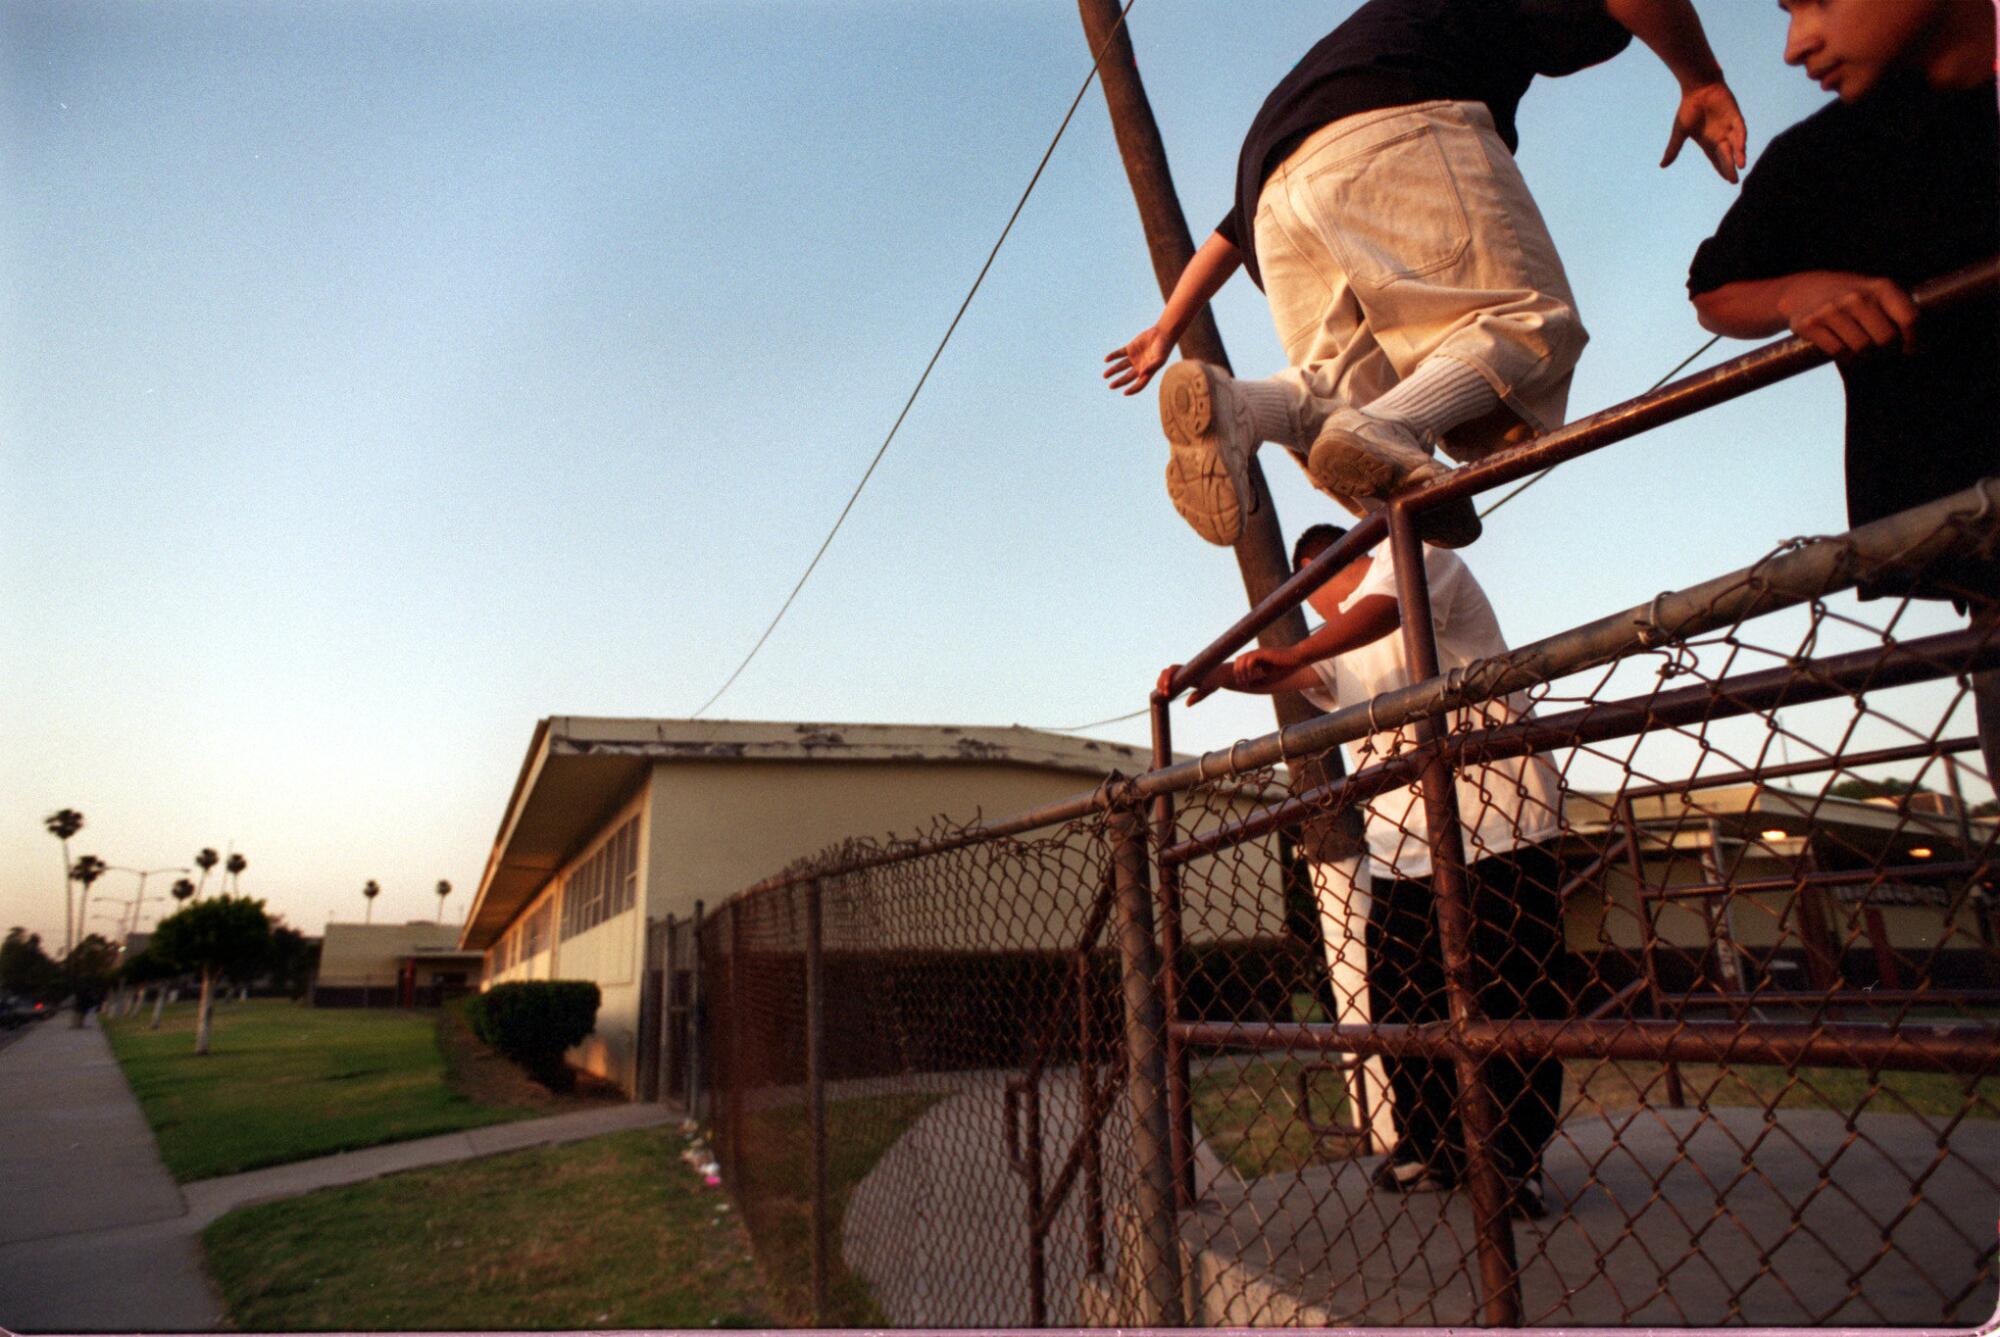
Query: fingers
[
  {"x": 1200, "y": 694},
  {"x": 1674, "y": 142},
  {"x": 1897, "y": 305},
  {"x": 1724, "y": 159},
  {"x": 1166, "y": 682},
  {"x": 1875, "y": 315}
]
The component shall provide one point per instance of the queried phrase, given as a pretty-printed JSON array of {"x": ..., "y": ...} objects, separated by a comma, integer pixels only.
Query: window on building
[{"x": 605, "y": 884}]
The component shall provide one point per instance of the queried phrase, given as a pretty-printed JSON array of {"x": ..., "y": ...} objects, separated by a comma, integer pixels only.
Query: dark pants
[{"x": 1519, "y": 963}]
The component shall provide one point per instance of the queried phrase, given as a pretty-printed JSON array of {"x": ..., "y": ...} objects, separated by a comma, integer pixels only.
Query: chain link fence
[{"x": 1662, "y": 987}]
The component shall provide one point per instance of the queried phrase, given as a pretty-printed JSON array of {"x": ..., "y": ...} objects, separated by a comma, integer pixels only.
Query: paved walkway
[{"x": 94, "y": 1233}]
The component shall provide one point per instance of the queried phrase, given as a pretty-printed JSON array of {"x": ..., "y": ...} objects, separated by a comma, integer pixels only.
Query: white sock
[
  {"x": 1271, "y": 405},
  {"x": 1439, "y": 395}
]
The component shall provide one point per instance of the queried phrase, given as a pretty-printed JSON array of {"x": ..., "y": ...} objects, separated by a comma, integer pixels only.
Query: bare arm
[
  {"x": 1369, "y": 620},
  {"x": 1224, "y": 675},
  {"x": 1841, "y": 314},
  {"x": 1708, "y": 113},
  {"x": 1133, "y": 365}
]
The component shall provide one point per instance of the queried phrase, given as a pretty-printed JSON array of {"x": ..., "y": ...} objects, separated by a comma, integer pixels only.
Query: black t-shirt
[
  {"x": 1904, "y": 184},
  {"x": 1392, "y": 53}
]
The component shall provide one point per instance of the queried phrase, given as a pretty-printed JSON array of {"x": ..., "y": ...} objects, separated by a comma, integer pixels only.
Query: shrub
[{"x": 534, "y": 1022}]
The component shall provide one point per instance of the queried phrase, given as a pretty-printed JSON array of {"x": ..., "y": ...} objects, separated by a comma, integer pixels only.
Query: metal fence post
[
  {"x": 1180, "y": 1110},
  {"x": 735, "y": 1056},
  {"x": 697, "y": 1017},
  {"x": 1500, "y": 1286},
  {"x": 816, "y": 1092},
  {"x": 1158, "y": 1252}
]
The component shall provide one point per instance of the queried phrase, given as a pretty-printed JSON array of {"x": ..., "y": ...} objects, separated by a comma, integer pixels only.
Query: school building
[
  {"x": 417, "y": 964},
  {"x": 616, "y": 823}
]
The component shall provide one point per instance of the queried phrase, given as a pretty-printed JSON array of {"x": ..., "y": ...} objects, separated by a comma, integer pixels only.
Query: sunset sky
[{"x": 378, "y": 377}]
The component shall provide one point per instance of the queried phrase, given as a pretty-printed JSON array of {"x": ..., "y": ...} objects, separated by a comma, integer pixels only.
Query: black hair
[{"x": 1315, "y": 541}]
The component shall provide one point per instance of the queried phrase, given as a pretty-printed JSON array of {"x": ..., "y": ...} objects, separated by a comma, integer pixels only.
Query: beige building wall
[
  {"x": 719, "y": 827},
  {"x": 610, "y": 954},
  {"x": 366, "y": 955}
]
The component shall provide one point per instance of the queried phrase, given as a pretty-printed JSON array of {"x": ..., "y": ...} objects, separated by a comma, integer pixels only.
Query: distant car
[{"x": 15, "y": 1012}]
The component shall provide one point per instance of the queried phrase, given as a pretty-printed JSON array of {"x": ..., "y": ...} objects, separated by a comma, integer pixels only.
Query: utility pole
[{"x": 1260, "y": 552}]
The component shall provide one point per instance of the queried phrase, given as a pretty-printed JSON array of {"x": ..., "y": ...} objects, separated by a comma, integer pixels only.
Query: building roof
[{"x": 580, "y": 769}]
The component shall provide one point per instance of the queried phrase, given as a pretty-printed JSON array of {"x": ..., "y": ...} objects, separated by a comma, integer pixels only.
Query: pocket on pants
[{"x": 1391, "y": 210}]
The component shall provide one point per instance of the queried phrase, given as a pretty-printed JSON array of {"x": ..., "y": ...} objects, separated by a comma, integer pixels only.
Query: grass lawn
[
  {"x": 1623, "y": 1086},
  {"x": 1249, "y": 1116},
  {"x": 777, "y": 1197},
  {"x": 284, "y": 1082},
  {"x": 615, "y": 1232}
]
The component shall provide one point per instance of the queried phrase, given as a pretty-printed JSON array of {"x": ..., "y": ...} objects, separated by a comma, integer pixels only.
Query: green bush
[{"x": 534, "y": 1022}]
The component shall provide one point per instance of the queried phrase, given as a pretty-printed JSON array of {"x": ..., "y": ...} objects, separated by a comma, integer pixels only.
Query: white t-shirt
[{"x": 1502, "y": 805}]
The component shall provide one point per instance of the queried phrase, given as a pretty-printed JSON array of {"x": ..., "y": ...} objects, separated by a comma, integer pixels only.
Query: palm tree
[
  {"x": 62, "y": 824},
  {"x": 85, "y": 871},
  {"x": 206, "y": 860},
  {"x": 237, "y": 863},
  {"x": 183, "y": 889},
  {"x": 370, "y": 892},
  {"x": 444, "y": 890}
]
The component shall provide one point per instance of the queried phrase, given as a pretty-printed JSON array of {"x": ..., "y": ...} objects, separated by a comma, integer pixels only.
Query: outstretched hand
[
  {"x": 1218, "y": 677},
  {"x": 1709, "y": 116},
  {"x": 1133, "y": 365}
]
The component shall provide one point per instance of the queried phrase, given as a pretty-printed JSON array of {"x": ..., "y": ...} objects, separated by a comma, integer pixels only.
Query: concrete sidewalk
[{"x": 95, "y": 1235}]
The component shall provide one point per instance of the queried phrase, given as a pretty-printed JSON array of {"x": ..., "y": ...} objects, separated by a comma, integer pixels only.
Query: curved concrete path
[{"x": 94, "y": 1234}]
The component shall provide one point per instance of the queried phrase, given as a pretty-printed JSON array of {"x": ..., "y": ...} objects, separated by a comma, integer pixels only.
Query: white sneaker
[
  {"x": 1212, "y": 436},
  {"x": 1363, "y": 457}
]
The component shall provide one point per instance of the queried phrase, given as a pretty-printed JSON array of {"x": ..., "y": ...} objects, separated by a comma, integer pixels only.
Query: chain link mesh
[{"x": 1705, "y": 1031}]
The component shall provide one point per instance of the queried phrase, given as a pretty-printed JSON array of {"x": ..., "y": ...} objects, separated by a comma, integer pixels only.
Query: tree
[
  {"x": 182, "y": 889},
  {"x": 226, "y": 935},
  {"x": 62, "y": 824},
  {"x": 293, "y": 960},
  {"x": 149, "y": 970},
  {"x": 90, "y": 968},
  {"x": 237, "y": 863},
  {"x": 1889, "y": 787},
  {"x": 444, "y": 890},
  {"x": 369, "y": 893},
  {"x": 26, "y": 970},
  {"x": 87, "y": 870},
  {"x": 205, "y": 861}
]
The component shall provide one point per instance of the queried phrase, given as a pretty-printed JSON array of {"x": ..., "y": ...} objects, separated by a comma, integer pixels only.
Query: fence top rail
[
  {"x": 1795, "y": 575},
  {"x": 1731, "y": 380}
]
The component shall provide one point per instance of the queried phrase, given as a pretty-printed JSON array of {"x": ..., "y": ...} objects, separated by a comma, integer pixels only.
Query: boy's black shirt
[
  {"x": 1905, "y": 185},
  {"x": 1394, "y": 53}
]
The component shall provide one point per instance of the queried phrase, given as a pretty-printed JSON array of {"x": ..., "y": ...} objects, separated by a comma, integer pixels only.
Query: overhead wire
[
  {"x": 936, "y": 353},
  {"x": 1530, "y": 482}
]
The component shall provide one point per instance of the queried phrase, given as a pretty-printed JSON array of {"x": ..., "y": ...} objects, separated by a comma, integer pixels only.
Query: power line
[
  {"x": 936, "y": 353},
  {"x": 1098, "y": 724},
  {"x": 1647, "y": 391}
]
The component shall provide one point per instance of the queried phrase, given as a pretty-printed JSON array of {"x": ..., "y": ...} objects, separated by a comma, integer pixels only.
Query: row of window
[{"x": 605, "y": 884}]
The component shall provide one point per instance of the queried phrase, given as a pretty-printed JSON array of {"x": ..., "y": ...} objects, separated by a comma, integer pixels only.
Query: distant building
[{"x": 417, "y": 964}]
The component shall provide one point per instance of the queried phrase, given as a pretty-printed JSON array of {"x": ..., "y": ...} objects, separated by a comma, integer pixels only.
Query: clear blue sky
[{"x": 382, "y": 376}]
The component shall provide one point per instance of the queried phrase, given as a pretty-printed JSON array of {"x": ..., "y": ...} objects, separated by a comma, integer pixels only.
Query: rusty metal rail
[{"x": 1140, "y": 986}]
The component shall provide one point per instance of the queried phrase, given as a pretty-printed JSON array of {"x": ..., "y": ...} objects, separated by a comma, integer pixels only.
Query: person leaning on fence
[
  {"x": 1896, "y": 181},
  {"x": 1510, "y": 811},
  {"x": 1416, "y": 290}
]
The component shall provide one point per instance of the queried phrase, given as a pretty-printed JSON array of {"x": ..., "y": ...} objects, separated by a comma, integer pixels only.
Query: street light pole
[{"x": 140, "y": 898}]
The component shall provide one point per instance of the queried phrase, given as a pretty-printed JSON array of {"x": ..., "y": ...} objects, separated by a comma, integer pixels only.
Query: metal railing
[{"x": 920, "y": 1050}]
